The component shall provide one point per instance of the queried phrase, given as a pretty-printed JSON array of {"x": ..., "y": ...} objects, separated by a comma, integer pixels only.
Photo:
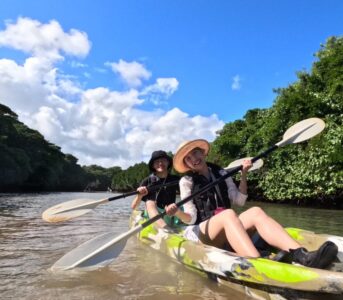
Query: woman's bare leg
[
  {"x": 226, "y": 227},
  {"x": 270, "y": 230},
  {"x": 152, "y": 212}
]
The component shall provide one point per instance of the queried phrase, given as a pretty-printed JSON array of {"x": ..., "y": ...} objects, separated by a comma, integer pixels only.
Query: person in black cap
[{"x": 160, "y": 164}]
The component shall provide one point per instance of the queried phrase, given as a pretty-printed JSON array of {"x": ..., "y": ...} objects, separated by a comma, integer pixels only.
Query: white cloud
[
  {"x": 236, "y": 83},
  {"x": 98, "y": 125},
  {"x": 166, "y": 130},
  {"x": 163, "y": 88},
  {"x": 44, "y": 40},
  {"x": 24, "y": 87},
  {"x": 133, "y": 73}
]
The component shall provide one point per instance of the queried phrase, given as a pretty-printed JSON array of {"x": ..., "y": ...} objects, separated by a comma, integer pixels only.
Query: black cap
[{"x": 159, "y": 154}]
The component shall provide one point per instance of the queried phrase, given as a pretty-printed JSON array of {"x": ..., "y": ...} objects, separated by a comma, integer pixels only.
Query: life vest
[{"x": 217, "y": 196}]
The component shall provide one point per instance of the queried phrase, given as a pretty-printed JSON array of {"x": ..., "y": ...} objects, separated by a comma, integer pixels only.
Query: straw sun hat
[{"x": 184, "y": 149}]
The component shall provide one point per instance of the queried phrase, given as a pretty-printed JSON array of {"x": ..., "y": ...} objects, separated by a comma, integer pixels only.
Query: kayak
[{"x": 259, "y": 277}]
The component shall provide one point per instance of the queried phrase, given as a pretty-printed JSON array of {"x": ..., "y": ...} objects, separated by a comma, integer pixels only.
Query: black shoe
[
  {"x": 320, "y": 258},
  {"x": 283, "y": 256}
]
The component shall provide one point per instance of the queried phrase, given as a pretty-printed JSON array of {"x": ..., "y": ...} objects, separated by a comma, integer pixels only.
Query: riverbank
[{"x": 335, "y": 203}]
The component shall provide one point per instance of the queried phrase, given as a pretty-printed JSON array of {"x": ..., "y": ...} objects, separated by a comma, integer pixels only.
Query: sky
[{"x": 111, "y": 81}]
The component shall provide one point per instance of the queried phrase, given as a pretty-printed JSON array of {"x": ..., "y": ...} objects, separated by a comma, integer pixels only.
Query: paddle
[
  {"x": 256, "y": 165},
  {"x": 75, "y": 208},
  {"x": 101, "y": 250}
]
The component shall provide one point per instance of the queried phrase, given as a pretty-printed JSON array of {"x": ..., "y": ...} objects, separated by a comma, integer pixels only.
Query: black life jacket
[{"x": 207, "y": 202}]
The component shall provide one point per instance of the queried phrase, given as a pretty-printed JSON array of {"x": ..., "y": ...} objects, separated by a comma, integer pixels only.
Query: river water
[{"x": 29, "y": 246}]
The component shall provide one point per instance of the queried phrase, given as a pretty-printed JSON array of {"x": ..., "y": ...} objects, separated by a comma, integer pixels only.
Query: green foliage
[
  {"x": 99, "y": 178},
  {"x": 6, "y": 111},
  {"x": 14, "y": 166},
  {"x": 30, "y": 163},
  {"x": 311, "y": 171},
  {"x": 242, "y": 137},
  {"x": 129, "y": 179}
]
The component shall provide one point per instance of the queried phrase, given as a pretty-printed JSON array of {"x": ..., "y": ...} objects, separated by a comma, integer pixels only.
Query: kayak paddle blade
[
  {"x": 93, "y": 253},
  {"x": 256, "y": 165},
  {"x": 69, "y": 210},
  {"x": 302, "y": 131}
]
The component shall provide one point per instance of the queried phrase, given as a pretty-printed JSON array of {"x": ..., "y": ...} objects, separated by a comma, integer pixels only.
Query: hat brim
[{"x": 184, "y": 149}]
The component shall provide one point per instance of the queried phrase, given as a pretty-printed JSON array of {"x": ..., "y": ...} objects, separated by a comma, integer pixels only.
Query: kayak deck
[{"x": 262, "y": 273}]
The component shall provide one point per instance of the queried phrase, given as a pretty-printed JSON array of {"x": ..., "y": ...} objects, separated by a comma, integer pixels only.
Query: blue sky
[{"x": 111, "y": 81}]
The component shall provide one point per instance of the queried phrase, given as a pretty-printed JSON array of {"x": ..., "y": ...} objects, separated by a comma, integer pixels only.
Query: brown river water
[{"x": 29, "y": 246}]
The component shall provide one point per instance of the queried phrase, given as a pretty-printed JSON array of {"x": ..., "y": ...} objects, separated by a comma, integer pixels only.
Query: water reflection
[{"x": 318, "y": 220}]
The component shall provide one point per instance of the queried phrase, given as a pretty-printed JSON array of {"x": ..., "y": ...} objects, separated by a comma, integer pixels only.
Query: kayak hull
[{"x": 258, "y": 273}]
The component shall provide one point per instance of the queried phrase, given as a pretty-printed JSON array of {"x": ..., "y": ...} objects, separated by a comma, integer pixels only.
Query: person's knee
[
  {"x": 258, "y": 212},
  {"x": 230, "y": 218},
  {"x": 229, "y": 214}
]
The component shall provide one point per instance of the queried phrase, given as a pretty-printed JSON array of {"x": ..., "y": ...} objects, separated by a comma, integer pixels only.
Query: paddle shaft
[
  {"x": 263, "y": 154},
  {"x": 208, "y": 186},
  {"x": 150, "y": 189}
]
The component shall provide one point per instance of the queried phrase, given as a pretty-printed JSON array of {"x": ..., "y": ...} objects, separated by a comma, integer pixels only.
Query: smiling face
[
  {"x": 161, "y": 165},
  {"x": 195, "y": 160}
]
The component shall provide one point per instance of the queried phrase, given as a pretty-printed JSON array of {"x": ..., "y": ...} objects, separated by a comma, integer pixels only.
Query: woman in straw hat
[
  {"x": 213, "y": 222},
  {"x": 160, "y": 165}
]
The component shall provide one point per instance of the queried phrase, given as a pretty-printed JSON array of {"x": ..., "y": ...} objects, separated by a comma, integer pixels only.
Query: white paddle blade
[
  {"x": 69, "y": 210},
  {"x": 302, "y": 131},
  {"x": 91, "y": 253},
  {"x": 62, "y": 217},
  {"x": 256, "y": 165},
  {"x": 97, "y": 252}
]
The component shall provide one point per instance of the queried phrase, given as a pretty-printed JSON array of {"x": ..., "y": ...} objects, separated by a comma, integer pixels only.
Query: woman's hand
[
  {"x": 246, "y": 165},
  {"x": 142, "y": 191},
  {"x": 171, "y": 209}
]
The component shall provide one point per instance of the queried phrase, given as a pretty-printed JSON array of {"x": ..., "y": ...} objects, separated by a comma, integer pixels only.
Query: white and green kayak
[{"x": 259, "y": 277}]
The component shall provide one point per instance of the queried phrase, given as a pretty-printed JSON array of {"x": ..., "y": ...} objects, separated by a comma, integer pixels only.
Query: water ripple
[{"x": 29, "y": 246}]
